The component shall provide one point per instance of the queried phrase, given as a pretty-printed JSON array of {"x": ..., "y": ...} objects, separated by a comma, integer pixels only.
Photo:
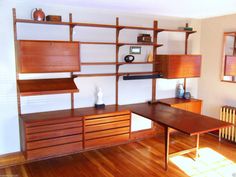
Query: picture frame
[{"x": 135, "y": 50}]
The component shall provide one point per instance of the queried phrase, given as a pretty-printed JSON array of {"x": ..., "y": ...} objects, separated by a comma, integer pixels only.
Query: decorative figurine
[{"x": 99, "y": 103}]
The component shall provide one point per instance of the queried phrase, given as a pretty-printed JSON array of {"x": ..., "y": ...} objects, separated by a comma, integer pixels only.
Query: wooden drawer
[
  {"x": 111, "y": 125},
  {"x": 195, "y": 107},
  {"x": 101, "y": 142},
  {"x": 51, "y": 127},
  {"x": 111, "y": 132},
  {"x": 181, "y": 106},
  {"x": 107, "y": 115},
  {"x": 52, "y": 121},
  {"x": 53, "y": 142},
  {"x": 53, "y": 134},
  {"x": 106, "y": 119},
  {"x": 54, "y": 150}
]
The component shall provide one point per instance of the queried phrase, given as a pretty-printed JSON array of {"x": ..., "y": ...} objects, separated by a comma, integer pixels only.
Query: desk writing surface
[{"x": 184, "y": 121}]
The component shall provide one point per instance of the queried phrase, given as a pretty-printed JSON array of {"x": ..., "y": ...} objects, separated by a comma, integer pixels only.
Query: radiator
[{"x": 228, "y": 114}]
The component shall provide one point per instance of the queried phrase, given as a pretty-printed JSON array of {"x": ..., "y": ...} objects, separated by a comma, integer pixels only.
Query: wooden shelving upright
[
  {"x": 42, "y": 86},
  {"x": 117, "y": 44}
]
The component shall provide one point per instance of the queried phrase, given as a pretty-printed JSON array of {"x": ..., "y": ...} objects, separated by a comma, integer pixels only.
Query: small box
[
  {"x": 145, "y": 38},
  {"x": 53, "y": 18}
]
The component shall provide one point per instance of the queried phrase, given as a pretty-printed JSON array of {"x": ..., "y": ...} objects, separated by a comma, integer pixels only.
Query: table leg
[
  {"x": 197, "y": 147},
  {"x": 167, "y": 141}
]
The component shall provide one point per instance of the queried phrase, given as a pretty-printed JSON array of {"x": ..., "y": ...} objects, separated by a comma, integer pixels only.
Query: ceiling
[{"x": 177, "y": 8}]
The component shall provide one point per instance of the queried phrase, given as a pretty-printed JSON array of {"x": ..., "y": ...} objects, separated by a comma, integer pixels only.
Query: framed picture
[{"x": 135, "y": 50}]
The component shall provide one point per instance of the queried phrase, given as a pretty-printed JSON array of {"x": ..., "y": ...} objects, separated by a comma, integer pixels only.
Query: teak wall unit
[{"x": 52, "y": 133}]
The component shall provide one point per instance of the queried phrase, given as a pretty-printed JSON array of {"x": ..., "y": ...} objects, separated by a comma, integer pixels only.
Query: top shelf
[{"x": 73, "y": 24}]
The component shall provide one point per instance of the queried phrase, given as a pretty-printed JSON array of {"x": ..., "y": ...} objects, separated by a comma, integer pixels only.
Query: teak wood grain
[
  {"x": 54, "y": 141},
  {"x": 109, "y": 125},
  {"x": 192, "y": 105},
  {"x": 53, "y": 134},
  {"x": 178, "y": 66},
  {"x": 106, "y": 141},
  {"x": 104, "y": 133},
  {"x": 51, "y": 127},
  {"x": 106, "y": 120},
  {"x": 48, "y": 56},
  {"x": 186, "y": 122},
  {"x": 46, "y": 86},
  {"x": 54, "y": 150}
]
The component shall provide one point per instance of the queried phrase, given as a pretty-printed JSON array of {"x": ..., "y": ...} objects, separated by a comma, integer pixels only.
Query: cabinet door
[
  {"x": 178, "y": 66},
  {"x": 181, "y": 106},
  {"x": 195, "y": 107},
  {"x": 48, "y": 56}
]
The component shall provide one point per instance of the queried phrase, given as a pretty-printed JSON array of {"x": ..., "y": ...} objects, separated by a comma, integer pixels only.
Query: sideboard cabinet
[
  {"x": 192, "y": 105},
  {"x": 58, "y": 133}
]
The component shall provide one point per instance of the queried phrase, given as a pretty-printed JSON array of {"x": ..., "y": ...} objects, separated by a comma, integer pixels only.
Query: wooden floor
[{"x": 142, "y": 158}]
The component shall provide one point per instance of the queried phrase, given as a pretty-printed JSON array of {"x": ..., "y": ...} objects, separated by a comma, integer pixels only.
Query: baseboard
[{"x": 11, "y": 159}]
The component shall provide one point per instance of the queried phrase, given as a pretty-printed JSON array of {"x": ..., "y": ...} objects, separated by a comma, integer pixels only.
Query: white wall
[
  {"x": 129, "y": 91},
  {"x": 214, "y": 92}
]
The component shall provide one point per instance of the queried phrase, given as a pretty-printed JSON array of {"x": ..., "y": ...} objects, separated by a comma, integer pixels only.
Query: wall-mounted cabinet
[
  {"x": 178, "y": 66},
  {"x": 47, "y": 56}
]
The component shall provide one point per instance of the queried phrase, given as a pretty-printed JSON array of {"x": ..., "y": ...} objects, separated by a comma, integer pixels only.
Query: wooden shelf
[
  {"x": 46, "y": 86},
  {"x": 141, "y": 44},
  {"x": 93, "y": 25},
  {"x": 99, "y": 43},
  {"x": 175, "y": 30},
  {"x": 113, "y": 74},
  {"x": 121, "y": 43},
  {"x": 136, "y": 73},
  {"x": 98, "y": 63},
  {"x": 83, "y": 24},
  {"x": 135, "y": 63},
  {"x": 95, "y": 75},
  {"x": 114, "y": 63},
  {"x": 42, "y": 22},
  {"x": 102, "y": 26},
  {"x": 136, "y": 28}
]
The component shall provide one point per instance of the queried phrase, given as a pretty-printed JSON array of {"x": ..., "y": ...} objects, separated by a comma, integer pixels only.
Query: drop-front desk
[{"x": 67, "y": 131}]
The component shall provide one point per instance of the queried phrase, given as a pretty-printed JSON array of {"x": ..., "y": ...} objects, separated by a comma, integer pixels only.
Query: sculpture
[{"x": 99, "y": 103}]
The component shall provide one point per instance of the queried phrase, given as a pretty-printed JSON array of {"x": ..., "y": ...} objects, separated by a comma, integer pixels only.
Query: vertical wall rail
[
  {"x": 186, "y": 52},
  {"x": 16, "y": 61},
  {"x": 155, "y": 26},
  {"x": 71, "y": 74},
  {"x": 117, "y": 60}
]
